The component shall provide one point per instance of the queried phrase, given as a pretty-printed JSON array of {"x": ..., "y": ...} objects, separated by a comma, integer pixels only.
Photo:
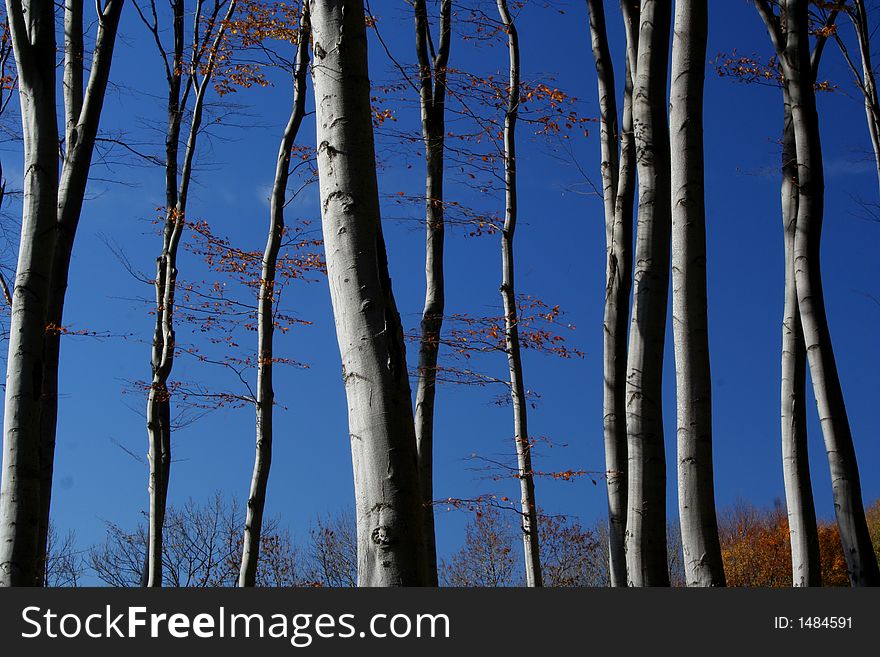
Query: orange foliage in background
[{"x": 756, "y": 549}]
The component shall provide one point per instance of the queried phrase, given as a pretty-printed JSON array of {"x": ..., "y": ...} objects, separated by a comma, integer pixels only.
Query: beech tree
[
  {"x": 432, "y": 97},
  {"x": 391, "y": 548},
  {"x": 696, "y": 490},
  {"x": 265, "y": 397},
  {"x": 790, "y": 38},
  {"x": 646, "y": 475},
  {"x": 795, "y": 460},
  {"x": 618, "y": 189},
  {"x": 531, "y": 545},
  {"x": 33, "y": 43},
  {"x": 187, "y": 76},
  {"x": 53, "y": 199},
  {"x": 802, "y": 524},
  {"x": 863, "y": 72}
]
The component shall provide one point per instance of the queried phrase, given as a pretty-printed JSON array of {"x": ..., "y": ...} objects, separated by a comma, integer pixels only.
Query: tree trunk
[
  {"x": 432, "y": 89},
  {"x": 646, "y": 495},
  {"x": 696, "y": 491},
  {"x": 391, "y": 549},
  {"x": 32, "y": 28},
  {"x": 163, "y": 347},
  {"x": 617, "y": 191},
  {"x": 803, "y": 531},
  {"x": 528, "y": 506},
  {"x": 631, "y": 10},
  {"x": 859, "y": 553},
  {"x": 82, "y": 114},
  {"x": 859, "y": 16},
  {"x": 265, "y": 401}
]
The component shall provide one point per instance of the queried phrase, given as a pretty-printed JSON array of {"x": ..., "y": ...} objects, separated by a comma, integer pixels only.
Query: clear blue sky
[{"x": 560, "y": 259}]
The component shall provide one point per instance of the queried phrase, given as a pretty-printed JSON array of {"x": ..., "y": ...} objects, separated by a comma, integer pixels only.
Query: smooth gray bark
[
  {"x": 690, "y": 322},
  {"x": 391, "y": 550},
  {"x": 265, "y": 401},
  {"x": 528, "y": 505},
  {"x": 803, "y": 530},
  {"x": 82, "y": 109},
  {"x": 859, "y": 553},
  {"x": 631, "y": 12},
  {"x": 792, "y": 45},
  {"x": 618, "y": 187},
  {"x": 177, "y": 181},
  {"x": 32, "y": 28},
  {"x": 432, "y": 97},
  {"x": 646, "y": 495}
]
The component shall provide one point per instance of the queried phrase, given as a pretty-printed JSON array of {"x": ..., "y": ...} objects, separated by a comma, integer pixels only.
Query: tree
[
  {"x": 391, "y": 549},
  {"x": 696, "y": 490},
  {"x": 864, "y": 73},
  {"x": 64, "y": 565},
  {"x": 802, "y": 524},
  {"x": 795, "y": 459},
  {"x": 478, "y": 102},
  {"x": 791, "y": 41},
  {"x": 332, "y": 555},
  {"x": 531, "y": 543},
  {"x": 755, "y": 546},
  {"x": 487, "y": 558},
  {"x": 33, "y": 41},
  {"x": 803, "y": 528},
  {"x": 50, "y": 216},
  {"x": 82, "y": 109},
  {"x": 202, "y": 548},
  {"x": 265, "y": 398},
  {"x": 618, "y": 188},
  {"x": 432, "y": 98},
  {"x": 757, "y": 551},
  {"x": 646, "y": 494},
  {"x": 570, "y": 554},
  {"x": 184, "y": 76},
  {"x": 872, "y": 515}
]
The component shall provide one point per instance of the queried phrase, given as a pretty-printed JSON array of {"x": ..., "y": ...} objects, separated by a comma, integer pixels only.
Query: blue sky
[{"x": 560, "y": 259}]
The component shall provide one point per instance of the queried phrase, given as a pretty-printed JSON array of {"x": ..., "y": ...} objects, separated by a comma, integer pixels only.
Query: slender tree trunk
[
  {"x": 163, "y": 347},
  {"x": 265, "y": 401},
  {"x": 859, "y": 16},
  {"x": 646, "y": 557},
  {"x": 631, "y": 11},
  {"x": 162, "y": 359},
  {"x": 528, "y": 505},
  {"x": 859, "y": 553},
  {"x": 432, "y": 88},
  {"x": 803, "y": 531},
  {"x": 391, "y": 549},
  {"x": 617, "y": 190},
  {"x": 82, "y": 114},
  {"x": 32, "y": 27},
  {"x": 696, "y": 491}
]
